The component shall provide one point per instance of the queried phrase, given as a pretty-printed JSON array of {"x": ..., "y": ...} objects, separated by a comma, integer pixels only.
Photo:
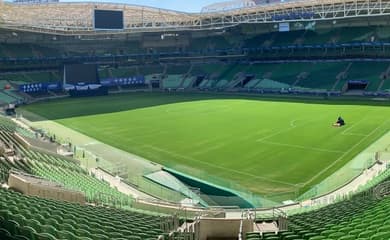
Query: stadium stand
[
  {"x": 369, "y": 71},
  {"x": 361, "y": 217},
  {"x": 317, "y": 54},
  {"x": 67, "y": 173},
  {"x": 322, "y": 75},
  {"x": 24, "y": 217},
  {"x": 178, "y": 69},
  {"x": 121, "y": 72},
  {"x": 17, "y": 50},
  {"x": 33, "y": 77},
  {"x": 172, "y": 81}
]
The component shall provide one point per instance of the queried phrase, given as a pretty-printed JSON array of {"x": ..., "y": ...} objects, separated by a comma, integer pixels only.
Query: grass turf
[{"x": 265, "y": 146}]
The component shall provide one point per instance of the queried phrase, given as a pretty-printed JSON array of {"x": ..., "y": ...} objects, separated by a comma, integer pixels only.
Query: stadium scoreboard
[
  {"x": 108, "y": 19},
  {"x": 80, "y": 73}
]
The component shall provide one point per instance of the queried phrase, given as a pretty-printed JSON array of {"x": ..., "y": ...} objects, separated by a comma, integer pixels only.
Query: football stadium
[{"x": 249, "y": 119}]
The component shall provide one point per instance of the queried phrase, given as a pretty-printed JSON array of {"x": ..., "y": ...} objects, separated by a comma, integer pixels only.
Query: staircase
[
  {"x": 300, "y": 76},
  {"x": 264, "y": 227},
  {"x": 273, "y": 221},
  {"x": 238, "y": 78},
  {"x": 385, "y": 77},
  {"x": 341, "y": 76}
]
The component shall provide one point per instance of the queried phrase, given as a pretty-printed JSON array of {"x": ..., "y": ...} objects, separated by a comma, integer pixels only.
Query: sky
[{"x": 178, "y": 5}]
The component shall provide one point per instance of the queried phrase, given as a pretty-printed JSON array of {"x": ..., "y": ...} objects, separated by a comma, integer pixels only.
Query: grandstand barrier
[
  {"x": 35, "y": 186},
  {"x": 88, "y": 92},
  {"x": 40, "y": 87},
  {"x": 130, "y": 173},
  {"x": 124, "y": 81}
]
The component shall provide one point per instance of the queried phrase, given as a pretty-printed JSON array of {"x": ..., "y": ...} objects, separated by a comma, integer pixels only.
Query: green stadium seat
[
  {"x": 4, "y": 233},
  {"x": 82, "y": 232},
  {"x": 326, "y": 233},
  {"x": 366, "y": 234},
  {"x": 21, "y": 237},
  {"x": 27, "y": 231},
  {"x": 100, "y": 236},
  {"x": 44, "y": 236},
  {"x": 49, "y": 229},
  {"x": 356, "y": 232},
  {"x": 64, "y": 234},
  {"x": 134, "y": 238},
  {"x": 20, "y": 219},
  {"x": 309, "y": 235},
  {"x": 385, "y": 228},
  {"x": 317, "y": 238},
  {"x": 12, "y": 226},
  {"x": 291, "y": 237},
  {"x": 34, "y": 224},
  {"x": 381, "y": 236},
  {"x": 346, "y": 229},
  {"x": 373, "y": 227},
  {"x": 347, "y": 237},
  {"x": 67, "y": 227}
]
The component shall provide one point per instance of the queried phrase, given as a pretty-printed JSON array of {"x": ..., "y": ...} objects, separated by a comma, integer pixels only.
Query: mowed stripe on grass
[{"x": 265, "y": 146}]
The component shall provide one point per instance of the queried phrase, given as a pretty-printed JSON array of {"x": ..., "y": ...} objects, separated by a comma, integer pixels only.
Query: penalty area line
[
  {"x": 345, "y": 153},
  {"x": 303, "y": 147}
]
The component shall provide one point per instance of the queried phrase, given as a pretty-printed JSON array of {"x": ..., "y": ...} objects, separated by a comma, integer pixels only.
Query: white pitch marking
[
  {"x": 345, "y": 153},
  {"x": 292, "y": 122},
  {"x": 303, "y": 147},
  {"x": 354, "y": 134},
  {"x": 353, "y": 125},
  {"x": 274, "y": 134},
  {"x": 285, "y": 130}
]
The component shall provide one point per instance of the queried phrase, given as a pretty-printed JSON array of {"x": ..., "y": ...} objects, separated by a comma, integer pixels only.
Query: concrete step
[{"x": 264, "y": 227}]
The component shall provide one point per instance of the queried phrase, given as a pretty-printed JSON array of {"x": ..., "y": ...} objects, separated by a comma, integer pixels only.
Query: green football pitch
[{"x": 262, "y": 145}]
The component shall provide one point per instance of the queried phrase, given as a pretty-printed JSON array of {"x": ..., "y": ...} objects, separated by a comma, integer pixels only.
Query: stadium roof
[
  {"x": 77, "y": 17},
  {"x": 190, "y": 6}
]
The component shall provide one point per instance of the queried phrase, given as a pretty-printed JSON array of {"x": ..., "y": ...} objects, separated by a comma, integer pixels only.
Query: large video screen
[
  {"x": 108, "y": 19},
  {"x": 81, "y": 73}
]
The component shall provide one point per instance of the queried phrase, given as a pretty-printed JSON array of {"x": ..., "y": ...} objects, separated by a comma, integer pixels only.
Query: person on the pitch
[{"x": 339, "y": 123}]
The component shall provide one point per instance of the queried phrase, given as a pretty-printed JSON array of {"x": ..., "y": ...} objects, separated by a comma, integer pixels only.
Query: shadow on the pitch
[{"x": 76, "y": 107}]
